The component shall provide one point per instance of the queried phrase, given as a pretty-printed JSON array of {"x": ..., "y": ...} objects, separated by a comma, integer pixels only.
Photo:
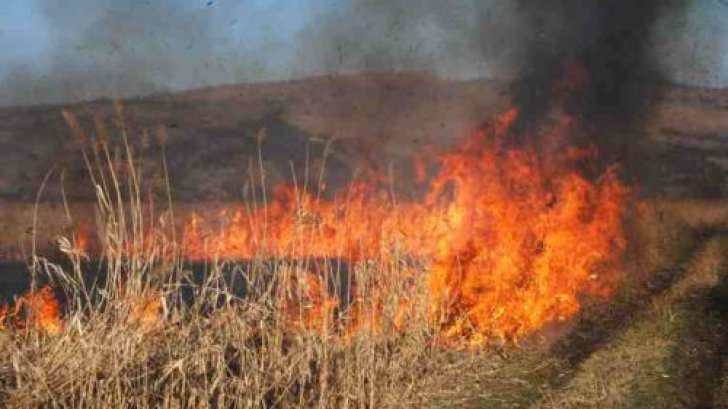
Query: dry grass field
[
  {"x": 659, "y": 342},
  {"x": 150, "y": 333}
]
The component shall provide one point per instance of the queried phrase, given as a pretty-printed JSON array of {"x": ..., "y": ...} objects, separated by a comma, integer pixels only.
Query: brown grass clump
[{"x": 250, "y": 361}]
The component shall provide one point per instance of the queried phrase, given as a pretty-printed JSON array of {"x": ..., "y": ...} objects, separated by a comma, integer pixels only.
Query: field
[{"x": 139, "y": 339}]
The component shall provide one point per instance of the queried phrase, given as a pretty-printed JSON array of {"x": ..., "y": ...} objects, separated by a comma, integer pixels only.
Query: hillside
[
  {"x": 211, "y": 132},
  {"x": 363, "y": 121}
]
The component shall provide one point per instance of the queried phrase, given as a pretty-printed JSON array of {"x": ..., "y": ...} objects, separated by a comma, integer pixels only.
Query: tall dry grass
[{"x": 147, "y": 333}]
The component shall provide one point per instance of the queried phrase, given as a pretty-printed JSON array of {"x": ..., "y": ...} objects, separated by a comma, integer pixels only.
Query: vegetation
[{"x": 150, "y": 333}]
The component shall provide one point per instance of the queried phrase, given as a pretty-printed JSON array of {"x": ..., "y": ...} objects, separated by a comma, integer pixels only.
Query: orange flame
[
  {"x": 144, "y": 311},
  {"x": 514, "y": 237},
  {"x": 39, "y": 310},
  {"x": 82, "y": 238},
  {"x": 4, "y": 315},
  {"x": 308, "y": 304}
]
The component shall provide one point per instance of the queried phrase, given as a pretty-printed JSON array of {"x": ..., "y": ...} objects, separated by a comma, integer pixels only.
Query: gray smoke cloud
[
  {"x": 465, "y": 39},
  {"x": 118, "y": 48},
  {"x": 624, "y": 44}
]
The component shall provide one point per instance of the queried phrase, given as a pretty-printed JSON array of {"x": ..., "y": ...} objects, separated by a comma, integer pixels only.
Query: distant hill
[
  {"x": 368, "y": 120},
  {"x": 212, "y": 131},
  {"x": 373, "y": 118}
]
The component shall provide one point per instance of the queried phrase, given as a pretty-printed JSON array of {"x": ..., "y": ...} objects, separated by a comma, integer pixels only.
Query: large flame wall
[{"x": 512, "y": 237}]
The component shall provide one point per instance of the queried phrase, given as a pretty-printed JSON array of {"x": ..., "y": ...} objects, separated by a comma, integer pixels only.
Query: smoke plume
[{"x": 117, "y": 48}]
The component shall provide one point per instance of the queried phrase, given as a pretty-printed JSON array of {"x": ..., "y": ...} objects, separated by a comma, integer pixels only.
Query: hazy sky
[{"x": 64, "y": 50}]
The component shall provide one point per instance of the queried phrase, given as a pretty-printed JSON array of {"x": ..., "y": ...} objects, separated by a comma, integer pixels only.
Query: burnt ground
[{"x": 211, "y": 145}]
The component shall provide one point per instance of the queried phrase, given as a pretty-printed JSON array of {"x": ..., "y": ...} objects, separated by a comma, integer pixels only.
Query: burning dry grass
[
  {"x": 235, "y": 357},
  {"x": 147, "y": 335},
  {"x": 299, "y": 335},
  {"x": 132, "y": 343}
]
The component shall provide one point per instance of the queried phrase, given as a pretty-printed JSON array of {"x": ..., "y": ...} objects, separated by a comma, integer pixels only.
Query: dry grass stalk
[{"x": 129, "y": 341}]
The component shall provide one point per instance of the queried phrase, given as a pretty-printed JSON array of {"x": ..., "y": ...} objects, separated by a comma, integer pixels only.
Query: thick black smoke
[
  {"x": 610, "y": 39},
  {"x": 533, "y": 41}
]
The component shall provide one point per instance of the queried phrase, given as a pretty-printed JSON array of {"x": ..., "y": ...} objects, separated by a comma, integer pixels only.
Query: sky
[{"x": 55, "y": 51}]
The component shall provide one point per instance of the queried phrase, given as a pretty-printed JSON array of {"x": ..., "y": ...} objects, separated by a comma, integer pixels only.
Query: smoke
[
  {"x": 628, "y": 47},
  {"x": 532, "y": 40},
  {"x": 465, "y": 39},
  {"x": 117, "y": 48},
  {"x": 613, "y": 42},
  {"x": 121, "y": 48}
]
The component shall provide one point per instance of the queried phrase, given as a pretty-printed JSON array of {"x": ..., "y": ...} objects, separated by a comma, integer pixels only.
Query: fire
[
  {"x": 510, "y": 239},
  {"x": 530, "y": 234},
  {"x": 145, "y": 311},
  {"x": 307, "y": 303},
  {"x": 82, "y": 238},
  {"x": 42, "y": 310},
  {"x": 45, "y": 310},
  {"x": 514, "y": 238},
  {"x": 39, "y": 310}
]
